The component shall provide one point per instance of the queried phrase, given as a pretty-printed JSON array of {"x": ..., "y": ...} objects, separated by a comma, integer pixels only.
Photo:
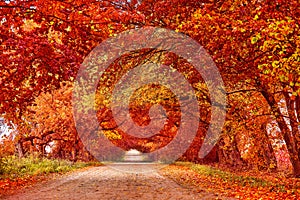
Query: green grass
[{"x": 12, "y": 166}]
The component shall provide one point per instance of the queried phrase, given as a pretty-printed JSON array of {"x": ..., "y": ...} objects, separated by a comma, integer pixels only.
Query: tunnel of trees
[{"x": 255, "y": 45}]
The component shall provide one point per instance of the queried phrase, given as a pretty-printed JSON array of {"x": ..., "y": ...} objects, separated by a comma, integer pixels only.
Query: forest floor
[
  {"x": 180, "y": 181},
  {"x": 105, "y": 182},
  {"x": 239, "y": 184}
]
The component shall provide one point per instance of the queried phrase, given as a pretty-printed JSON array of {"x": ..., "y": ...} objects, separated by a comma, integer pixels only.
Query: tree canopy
[{"x": 254, "y": 44}]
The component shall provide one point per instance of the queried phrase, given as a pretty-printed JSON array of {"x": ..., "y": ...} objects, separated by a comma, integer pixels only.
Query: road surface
[{"x": 113, "y": 183}]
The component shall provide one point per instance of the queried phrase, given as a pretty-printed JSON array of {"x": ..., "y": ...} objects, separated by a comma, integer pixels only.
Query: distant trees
[{"x": 50, "y": 127}]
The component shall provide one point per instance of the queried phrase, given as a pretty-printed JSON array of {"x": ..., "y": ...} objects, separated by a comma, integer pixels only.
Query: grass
[
  {"x": 242, "y": 180},
  {"x": 244, "y": 184},
  {"x": 14, "y": 167}
]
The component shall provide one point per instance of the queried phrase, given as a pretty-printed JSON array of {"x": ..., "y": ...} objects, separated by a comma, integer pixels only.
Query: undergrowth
[
  {"x": 242, "y": 180},
  {"x": 12, "y": 166}
]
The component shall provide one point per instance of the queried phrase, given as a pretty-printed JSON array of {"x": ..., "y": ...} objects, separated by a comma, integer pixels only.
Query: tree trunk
[
  {"x": 228, "y": 153},
  {"x": 297, "y": 110},
  {"x": 268, "y": 149},
  {"x": 20, "y": 149},
  {"x": 192, "y": 153},
  {"x": 291, "y": 108},
  {"x": 287, "y": 135},
  {"x": 212, "y": 156},
  {"x": 297, "y": 106}
]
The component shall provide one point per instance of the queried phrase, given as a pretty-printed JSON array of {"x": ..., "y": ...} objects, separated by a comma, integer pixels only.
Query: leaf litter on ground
[{"x": 241, "y": 184}]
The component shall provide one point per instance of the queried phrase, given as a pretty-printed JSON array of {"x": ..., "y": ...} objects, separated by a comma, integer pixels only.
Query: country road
[{"x": 106, "y": 182}]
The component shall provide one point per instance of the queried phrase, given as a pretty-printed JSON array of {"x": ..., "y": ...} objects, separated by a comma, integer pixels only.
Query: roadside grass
[
  {"x": 226, "y": 176},
  {"x": 17, "y": 173},
  {"x": 239, "y": 184},
  {"x": 14, "y": 167}
]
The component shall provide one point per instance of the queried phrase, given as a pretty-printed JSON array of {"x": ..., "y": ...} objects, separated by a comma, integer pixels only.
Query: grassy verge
[
  {"x": 228, "y": 176},
  {"x": 12, "y": 166},
  {"x": 238, "y": 184},
  {"x": 18, "y": 173}
]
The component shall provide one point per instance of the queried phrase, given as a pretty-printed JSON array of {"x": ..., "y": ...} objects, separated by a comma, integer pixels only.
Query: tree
[
  {"x": 248, "y": 34},
  {"x": 255, "y": 45},
  {"x": 51, "y": 129}
]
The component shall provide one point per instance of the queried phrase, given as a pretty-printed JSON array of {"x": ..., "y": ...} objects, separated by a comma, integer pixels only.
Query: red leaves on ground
[
  {"x": 275, "y": 188},
  {"x": 10, "y": 186}
]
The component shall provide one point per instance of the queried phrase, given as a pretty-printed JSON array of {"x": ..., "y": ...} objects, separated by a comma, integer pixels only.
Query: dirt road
[{"x": 108, "y": 183}]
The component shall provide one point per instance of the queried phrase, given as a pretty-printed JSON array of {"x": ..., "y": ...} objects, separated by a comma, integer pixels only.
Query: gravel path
[{"x": 108, "y": 183}]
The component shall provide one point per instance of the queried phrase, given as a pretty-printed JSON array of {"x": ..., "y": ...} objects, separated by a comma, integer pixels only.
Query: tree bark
[
  {"x": 291, "y": 108},
  {"x": 297, "y": 106},
  {"x": 287, "y": 135},
  {"x": 20, "y": 149},
  {"x": 269, "y": 154},
  {"x": 192, "y": 153},
  {"x": 229, "y": 154}
]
